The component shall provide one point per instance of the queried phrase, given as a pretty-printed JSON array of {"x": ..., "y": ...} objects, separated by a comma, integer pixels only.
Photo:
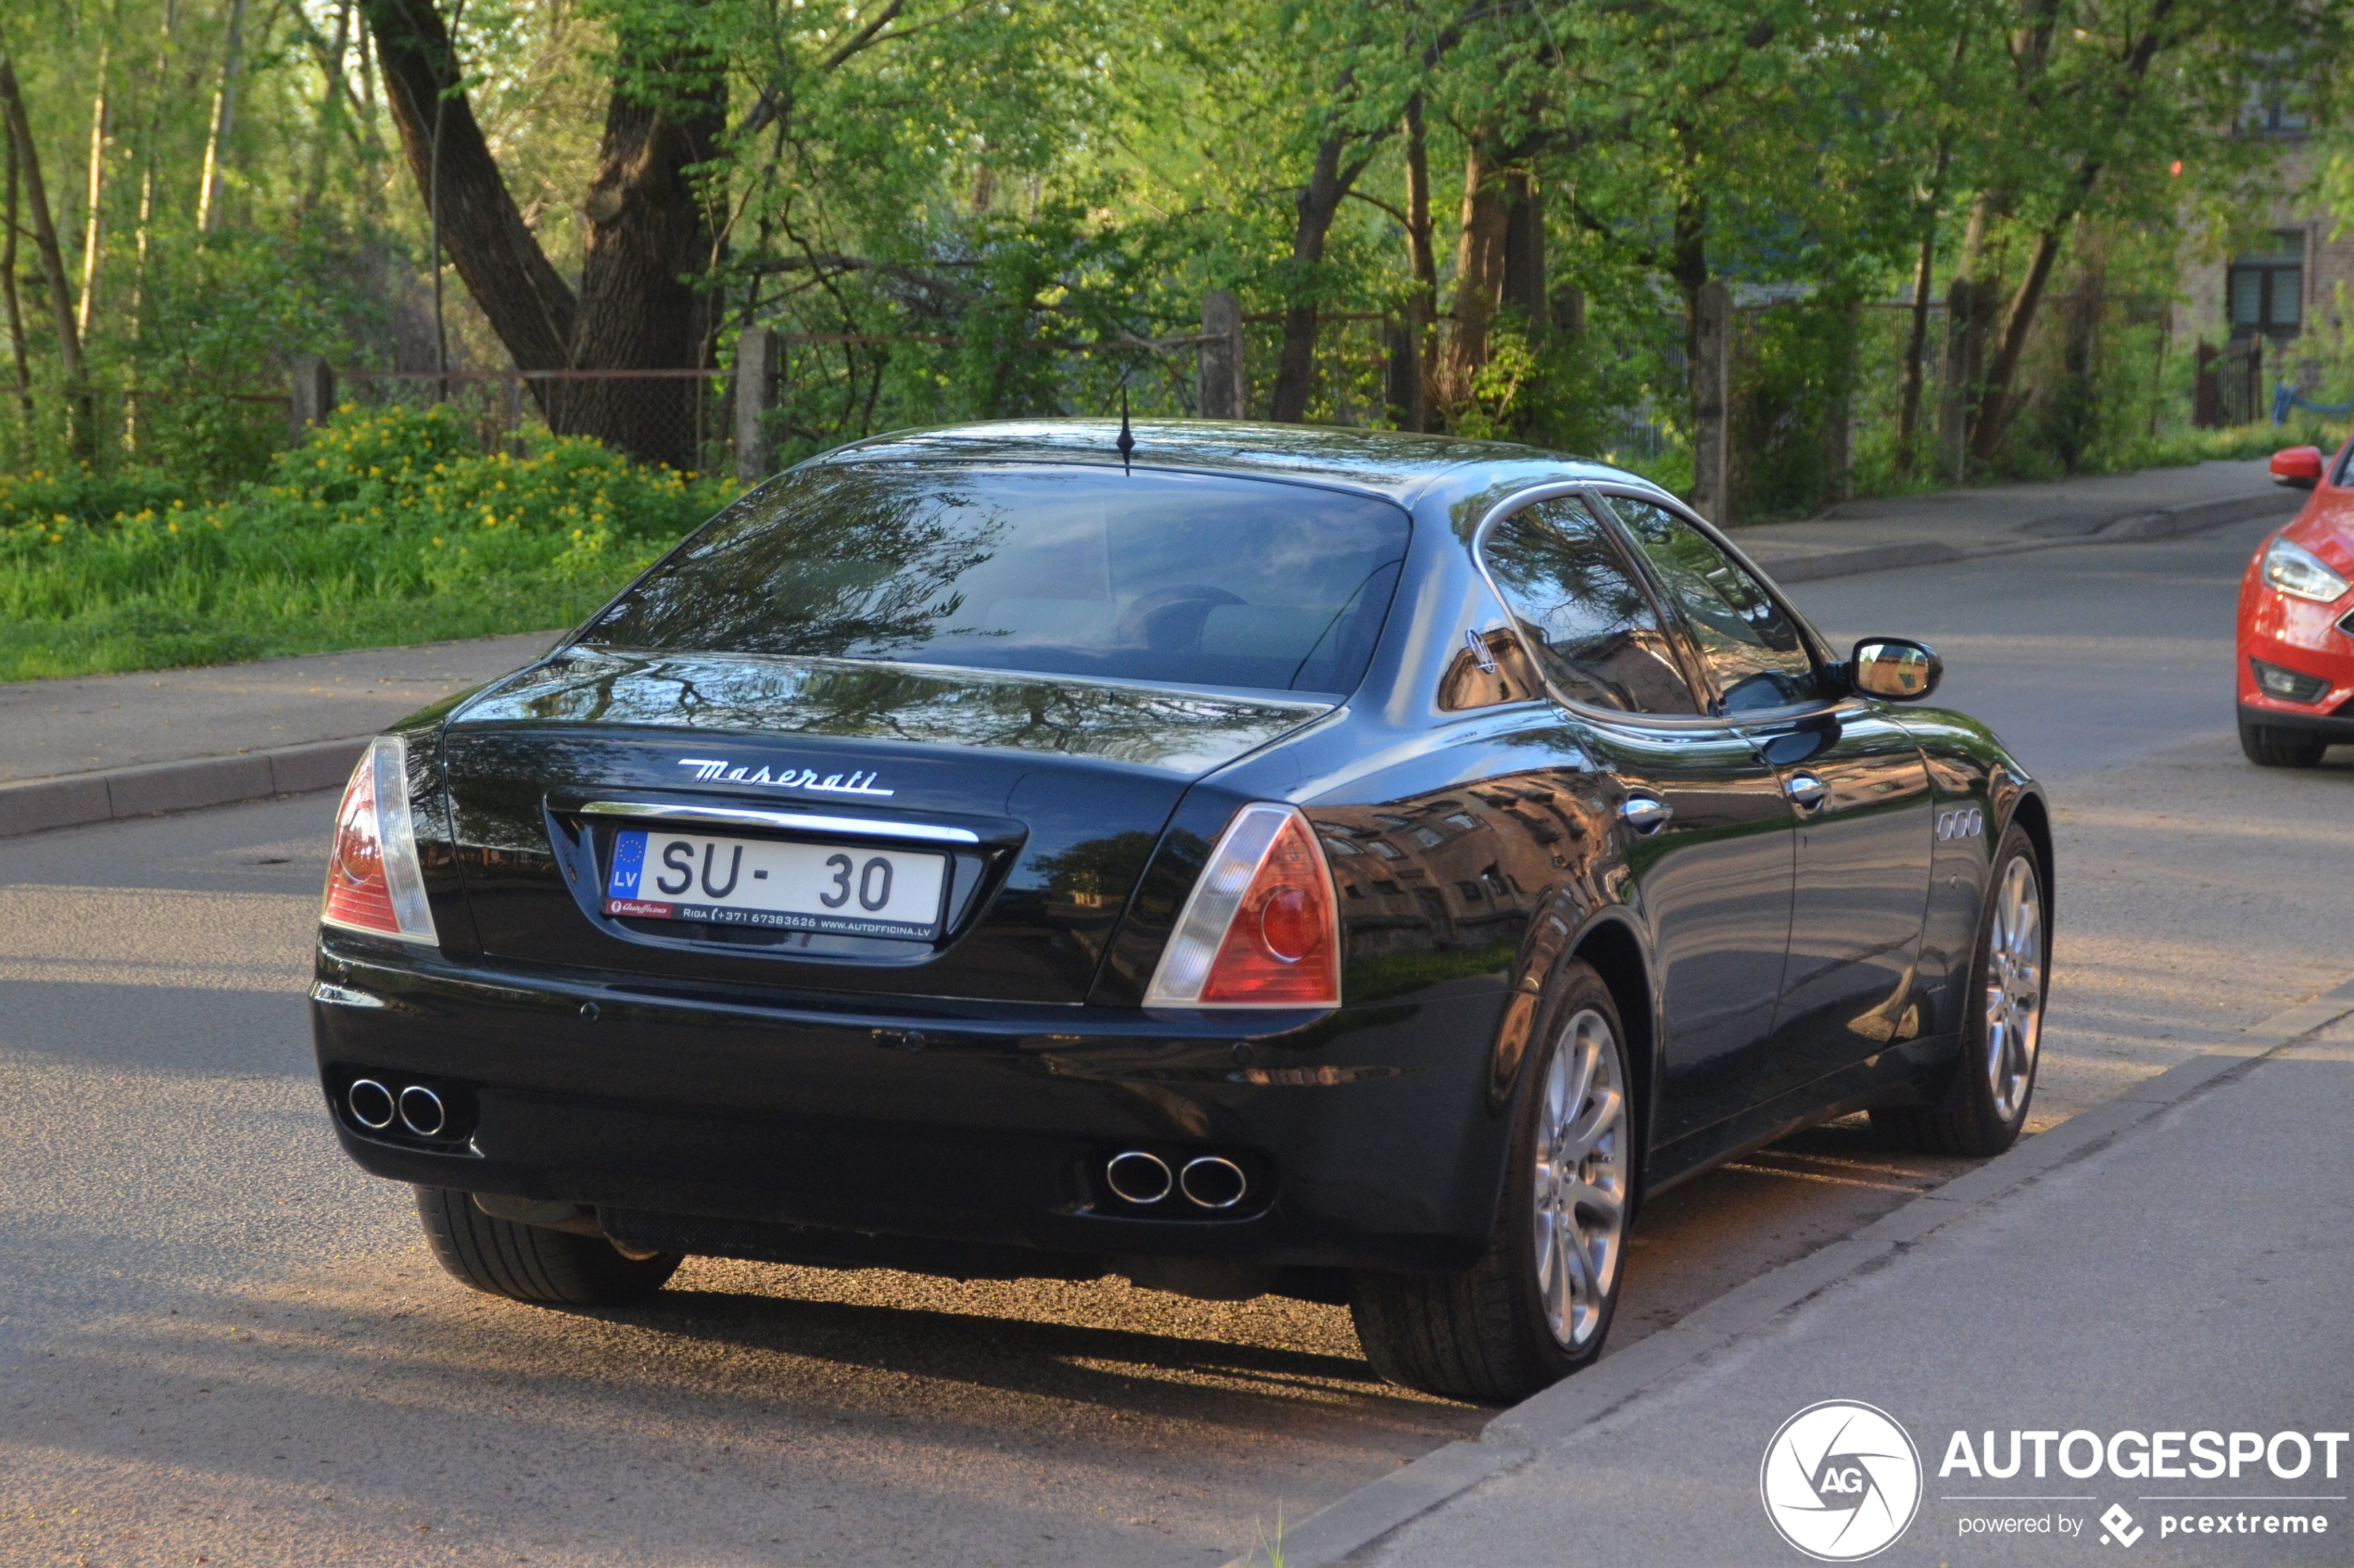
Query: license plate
[{"x": 833, "y": 887}]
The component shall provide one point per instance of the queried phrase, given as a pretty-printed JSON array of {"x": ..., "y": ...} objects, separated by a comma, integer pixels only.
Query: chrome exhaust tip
[
  {"x": 421, "y": 1111},
  {"x": 370, "y": 1103},
  {"x": 1214, "y": 1182},
  {"x": 1138, "y": 1177}
]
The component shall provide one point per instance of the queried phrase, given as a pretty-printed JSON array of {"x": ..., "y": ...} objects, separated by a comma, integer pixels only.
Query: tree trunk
[
  {"x": 9, "y": 283},
  {"x": 224, "y": 121},
  {"x": 100, "y": 127},
  {"x": 331, "y": 108},
  {"x": 45, "y": 235},
  {"x": 1479, "y": 275},
  {"x": 1908, "y": 413},
  {"x": 52, "y": 261},
  {"x": 1318, "y": 201},
  {"x": 148, "y": 138},
  {"x": 1422, "y": 308},
  {"x": 639, "y": 309},
  {"x": 1994, "y": 404},
  {"x": 1525, "y": 255},
  {"x": 1688, "y": 266},
  {"x": 528, "y": 304}
]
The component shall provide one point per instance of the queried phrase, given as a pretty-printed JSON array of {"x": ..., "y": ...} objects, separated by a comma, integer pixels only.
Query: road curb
[
  {"x": 2135, "y": 527},
  {"x": 36, "y": 805},
  {"x": 1354, "y": 1522}
]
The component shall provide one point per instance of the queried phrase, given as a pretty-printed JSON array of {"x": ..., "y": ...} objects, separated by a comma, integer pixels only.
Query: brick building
[{"x": 2288, "y": 281}]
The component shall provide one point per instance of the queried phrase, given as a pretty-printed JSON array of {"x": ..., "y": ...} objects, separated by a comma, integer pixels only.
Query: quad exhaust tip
[
  {"x": 1138, "y": 1177},
  {"x": 1214, "y": 1182},
  {"x": 421, "y": 1111},
  {"x": 371, "y": 1104}
]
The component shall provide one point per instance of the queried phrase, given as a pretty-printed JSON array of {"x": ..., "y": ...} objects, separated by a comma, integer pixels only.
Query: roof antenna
[{"x": 1127, "y": 442}]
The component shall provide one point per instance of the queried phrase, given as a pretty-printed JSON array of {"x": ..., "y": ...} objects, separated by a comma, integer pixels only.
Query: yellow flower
[{"x": 172, "y": 526}]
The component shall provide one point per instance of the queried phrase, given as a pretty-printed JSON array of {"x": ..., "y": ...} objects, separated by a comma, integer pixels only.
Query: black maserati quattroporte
[{"x": 1356, "y": 867}]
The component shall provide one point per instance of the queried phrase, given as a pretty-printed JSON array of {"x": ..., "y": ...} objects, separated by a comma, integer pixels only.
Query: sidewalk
[
  {"x": 2174, "y": 1262},
  {"x": 1872, "y": 536},
  {"x": 102, "y": 747}
]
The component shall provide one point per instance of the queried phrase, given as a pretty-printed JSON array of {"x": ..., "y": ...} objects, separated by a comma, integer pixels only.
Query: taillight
[
  {"x": 374, "y": 883},
  {"x": 1262, "y": 927}
]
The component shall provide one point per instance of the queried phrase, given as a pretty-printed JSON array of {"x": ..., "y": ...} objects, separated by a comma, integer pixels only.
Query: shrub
[{"x": 383, "y": 527}]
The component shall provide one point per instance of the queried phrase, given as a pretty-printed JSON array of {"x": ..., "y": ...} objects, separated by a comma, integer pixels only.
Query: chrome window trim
[
  {"x": 1817, "y": 652},
  {"x": 794, "y": 821},
  {"x": 1580, "y": 489}
]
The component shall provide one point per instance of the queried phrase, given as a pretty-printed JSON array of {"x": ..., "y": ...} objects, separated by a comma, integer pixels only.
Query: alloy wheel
[
  {"x": 2014, "y": 987},
  {"x": 1580, "y": 1180}
]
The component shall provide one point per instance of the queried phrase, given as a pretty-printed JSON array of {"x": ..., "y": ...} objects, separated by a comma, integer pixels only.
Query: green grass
[{"x": 382, "y": 528}]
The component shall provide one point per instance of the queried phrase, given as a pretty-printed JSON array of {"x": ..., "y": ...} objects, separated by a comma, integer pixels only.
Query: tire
[
  {"x": 1490, "y": 1334},
  {"x": 531, "y": 1262},
  {"x": 1985, "y": 1105},
  {"x": 2269, "y": 745}
]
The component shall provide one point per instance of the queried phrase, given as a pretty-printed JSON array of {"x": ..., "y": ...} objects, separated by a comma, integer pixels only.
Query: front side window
[
  {"x": 1190, "y": 579},
  {"x": 1751, "y": 648},
  {"x": 1582, "y": 616}
]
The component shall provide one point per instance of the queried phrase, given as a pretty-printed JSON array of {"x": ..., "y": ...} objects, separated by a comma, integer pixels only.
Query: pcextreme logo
[{"x": 1840, "y": 1480}]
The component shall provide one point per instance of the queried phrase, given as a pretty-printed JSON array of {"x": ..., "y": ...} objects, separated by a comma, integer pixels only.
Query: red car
[{"x": 2296, "y": 620}]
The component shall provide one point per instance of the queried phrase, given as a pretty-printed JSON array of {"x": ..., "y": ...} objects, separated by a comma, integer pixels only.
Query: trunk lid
[{"x": 1044, "y": 795}]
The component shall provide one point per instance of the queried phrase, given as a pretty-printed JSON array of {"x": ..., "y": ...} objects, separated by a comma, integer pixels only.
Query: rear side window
[
  {"x": 1753, "y": 651},
  {"x": 1586, "y": 620},
  {"x": 1191, "y": 579}
]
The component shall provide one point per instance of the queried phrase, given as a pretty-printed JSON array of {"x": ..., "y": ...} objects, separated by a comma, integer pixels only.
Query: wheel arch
[
  {"x": 2033, "y": 818},
  {"x": 1611, "y": 945},
  {"x": 1608, "y": 939}
]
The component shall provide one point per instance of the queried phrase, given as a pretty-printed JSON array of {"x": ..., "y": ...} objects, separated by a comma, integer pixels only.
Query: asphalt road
[{"x": 218, "y": 1342}]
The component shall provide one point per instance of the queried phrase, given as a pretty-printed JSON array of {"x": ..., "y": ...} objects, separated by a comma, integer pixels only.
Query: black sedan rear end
[
  {"x": 959, "y": 715},
  {"x": 998, "y": 854}
]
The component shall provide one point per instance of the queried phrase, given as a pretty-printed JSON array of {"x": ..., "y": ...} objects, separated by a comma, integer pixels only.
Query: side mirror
[
  {"x": 1894, "y": 667},
  {"x": 2299, "y": 467}
]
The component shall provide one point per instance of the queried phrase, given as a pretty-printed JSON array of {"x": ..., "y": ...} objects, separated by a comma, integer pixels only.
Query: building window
[{"x": 2266, "y": 290}]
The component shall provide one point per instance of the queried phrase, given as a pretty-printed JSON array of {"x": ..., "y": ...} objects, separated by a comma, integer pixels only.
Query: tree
[
  {"x": 2098, "y": 102},
  {"x": 646, "y": 235}
]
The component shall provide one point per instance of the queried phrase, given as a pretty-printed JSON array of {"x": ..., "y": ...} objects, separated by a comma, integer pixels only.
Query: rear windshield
[{"x": 1191, "y": 579}]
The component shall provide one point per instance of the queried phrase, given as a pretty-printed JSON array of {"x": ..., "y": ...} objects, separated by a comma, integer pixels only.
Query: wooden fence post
[
  {"x": 1219, "y": 393},
  {"x": 314, "y": 397},
  {"x": 2207, "y": 390},
  {"x": 1712, "y": 394},
  {"x": 755, "y": 400}
]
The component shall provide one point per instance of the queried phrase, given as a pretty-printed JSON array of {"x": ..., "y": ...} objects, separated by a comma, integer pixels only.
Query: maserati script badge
[{"x": 716, "y": 770}]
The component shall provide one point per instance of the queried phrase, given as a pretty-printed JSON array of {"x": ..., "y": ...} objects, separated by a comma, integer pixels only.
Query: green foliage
[
  {"x": 1793, "y": 375},
  {"x": 970, "y": 211},
  {"x": 380, "y": 528}
]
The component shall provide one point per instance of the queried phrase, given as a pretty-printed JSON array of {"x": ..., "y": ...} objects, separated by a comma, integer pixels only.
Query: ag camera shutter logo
[{"x": 1840, "y": 1480}]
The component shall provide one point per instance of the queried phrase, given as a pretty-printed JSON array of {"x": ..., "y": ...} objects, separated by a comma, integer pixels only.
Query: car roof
[{"x": 1389, "y": 463}]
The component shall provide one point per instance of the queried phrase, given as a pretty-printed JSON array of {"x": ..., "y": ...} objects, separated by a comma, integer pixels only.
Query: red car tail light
[
  {"x": 1262, "y": 927},
  {"x": 374, "y": 882}
]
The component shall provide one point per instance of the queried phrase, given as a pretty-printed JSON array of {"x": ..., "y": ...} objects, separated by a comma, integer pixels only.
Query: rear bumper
[{"x": 1368, "y": 1132}]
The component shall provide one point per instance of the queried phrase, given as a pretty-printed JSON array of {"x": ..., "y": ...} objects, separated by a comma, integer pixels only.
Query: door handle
[
  {"x": 1807, "y": 791},
  {"x": 1645, "y": 814}
]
